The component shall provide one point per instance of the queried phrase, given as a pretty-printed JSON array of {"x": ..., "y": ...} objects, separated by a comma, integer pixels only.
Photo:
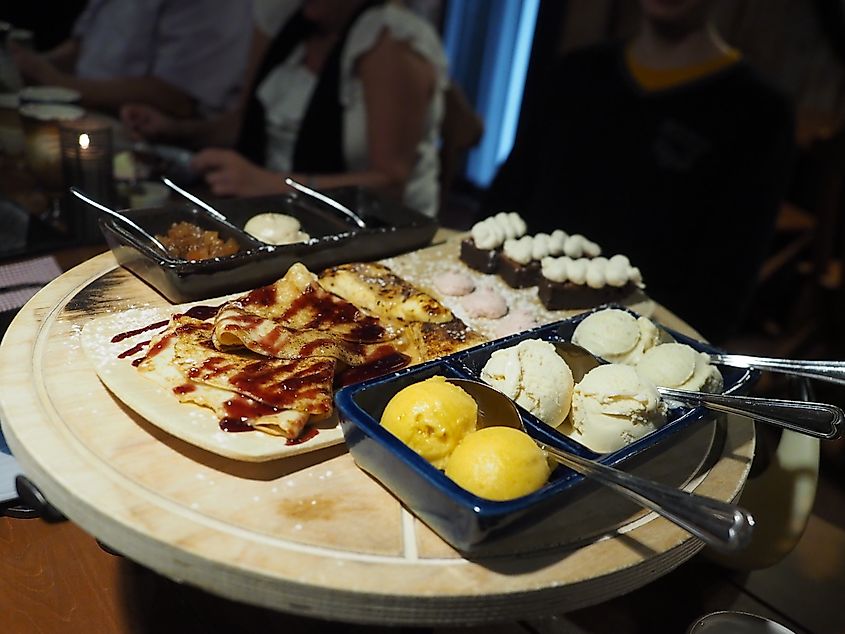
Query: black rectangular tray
[{"x": 391, "y": 228}]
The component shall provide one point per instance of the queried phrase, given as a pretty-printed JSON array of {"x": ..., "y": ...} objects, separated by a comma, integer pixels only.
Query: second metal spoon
[
  {"x": 814, "y": 419},
  {"x": 830, "y": 371}
]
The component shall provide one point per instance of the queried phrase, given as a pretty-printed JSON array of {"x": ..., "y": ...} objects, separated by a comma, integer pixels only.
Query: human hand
[
  {"x": 229, "y": 174},
  {"x": 145, "y": 122},
  {"x": 34, "y": 68}
]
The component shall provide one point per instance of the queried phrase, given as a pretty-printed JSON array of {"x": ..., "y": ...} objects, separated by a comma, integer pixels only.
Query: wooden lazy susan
[{"x": 311, "y": 533}]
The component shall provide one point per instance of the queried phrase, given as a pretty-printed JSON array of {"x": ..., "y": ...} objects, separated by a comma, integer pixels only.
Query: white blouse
[{"x": 285, "y": 108}]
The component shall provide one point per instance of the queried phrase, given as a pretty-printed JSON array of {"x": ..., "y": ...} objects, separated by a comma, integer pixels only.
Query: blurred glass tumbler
[
  {"x": 734, "y": 622},
  {"x": 42, "y": 149},
  {"x": 11, "y": 130},
  {"x": 10, "y": 78},
  {"x": 87, "y": 164}
]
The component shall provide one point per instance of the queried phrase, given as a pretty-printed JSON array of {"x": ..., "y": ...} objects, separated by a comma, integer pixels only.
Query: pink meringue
[
  {"x": 516, "y": 321},
  {"x": 486, "y": 303},
  {"x": 455, "y": 284}
]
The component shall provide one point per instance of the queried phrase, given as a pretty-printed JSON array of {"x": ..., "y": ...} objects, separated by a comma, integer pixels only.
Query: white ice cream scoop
[
  {"x": 616, "y": 335},
  {"x": 535, "y": 376},
  {"x": 613, "y": 406},
  {"x": 680, "y": 366}
]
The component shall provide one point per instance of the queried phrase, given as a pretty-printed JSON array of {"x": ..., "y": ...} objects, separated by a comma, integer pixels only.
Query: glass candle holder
[
  {"x": 87, "y": 152},
  {"x": 11, "y": 130}
]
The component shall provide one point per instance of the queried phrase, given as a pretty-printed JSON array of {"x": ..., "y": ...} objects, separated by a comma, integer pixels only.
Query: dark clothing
[
  {"x": 319, "y": 144},
  {"x": 685, "y": 181}
]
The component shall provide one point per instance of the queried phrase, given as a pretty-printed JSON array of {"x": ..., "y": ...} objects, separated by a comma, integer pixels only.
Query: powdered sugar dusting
[{"x": 422, "y": 267}]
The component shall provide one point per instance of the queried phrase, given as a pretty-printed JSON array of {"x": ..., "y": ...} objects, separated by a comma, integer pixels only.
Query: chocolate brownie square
[
  {"x": 484, "y": 260},
  {"x": 570, "y": 296},
  {"x": 518, "y": 275}
]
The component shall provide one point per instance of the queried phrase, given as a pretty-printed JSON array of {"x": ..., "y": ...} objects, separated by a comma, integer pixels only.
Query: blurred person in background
[
  {"x": 184, "y": 57},
  {"x": 342, "y": 93},
  {"x": 669, "y": 148},
  {"x": 30, "y": 16}
]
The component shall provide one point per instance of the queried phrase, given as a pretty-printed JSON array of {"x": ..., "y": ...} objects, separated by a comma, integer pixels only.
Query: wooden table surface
[
  {"x": 618, "y": 565},
  {"x": 55, "y": 578}
]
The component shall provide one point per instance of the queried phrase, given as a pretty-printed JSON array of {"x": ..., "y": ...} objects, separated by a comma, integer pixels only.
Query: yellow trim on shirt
[{"x": 660, "y": 78}]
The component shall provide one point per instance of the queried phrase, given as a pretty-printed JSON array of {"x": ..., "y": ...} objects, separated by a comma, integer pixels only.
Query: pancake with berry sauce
[
  {"x": 267, "y": 361},
  {"x": 245, "y": 391},
  {"x": 429, "y": 329}
]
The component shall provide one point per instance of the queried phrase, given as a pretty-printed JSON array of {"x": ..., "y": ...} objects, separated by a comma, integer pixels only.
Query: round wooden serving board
[{"x": 310, "y": 533}]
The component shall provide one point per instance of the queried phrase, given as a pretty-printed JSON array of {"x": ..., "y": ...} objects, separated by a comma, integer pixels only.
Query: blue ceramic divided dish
[
  {"x": 462, "y": 519},
  {"x": 391, "y": 228}
]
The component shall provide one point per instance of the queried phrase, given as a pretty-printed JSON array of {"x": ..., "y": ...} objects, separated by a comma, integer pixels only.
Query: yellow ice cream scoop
[
  {"x": 431, "y": 417},
  {"x": 498, "y": 463}
]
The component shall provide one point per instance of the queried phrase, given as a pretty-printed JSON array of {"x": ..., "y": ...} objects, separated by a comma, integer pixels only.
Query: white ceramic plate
[{"x": 194, "y": 424}]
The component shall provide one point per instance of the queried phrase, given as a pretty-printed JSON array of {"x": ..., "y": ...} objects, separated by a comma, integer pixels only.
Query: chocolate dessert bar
[
  {"x": 484, "y": 260},
  {"x": 481, "y": 250},
  {"x": 570, "y": 296},
  {"x": 518, "y": 275}
]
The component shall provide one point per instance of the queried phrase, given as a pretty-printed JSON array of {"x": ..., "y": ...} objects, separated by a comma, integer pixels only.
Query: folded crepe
[
  {"x": 269, "y": 358},
  {"x": 379, "y": 291},
  {"x": 271, "y": 395},
  {"x": 298, "y": 302}
]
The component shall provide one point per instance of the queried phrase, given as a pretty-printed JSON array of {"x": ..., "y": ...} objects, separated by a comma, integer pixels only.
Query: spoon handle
[
  {"x": 124, "y": 221},
  {"x": 331, "y": 202},
  {"x": 723, "y": 526},
  {"x": 194, "y": 199},
  {"x": 830, "y": 371},
  {"x": 814, "y": 419}
]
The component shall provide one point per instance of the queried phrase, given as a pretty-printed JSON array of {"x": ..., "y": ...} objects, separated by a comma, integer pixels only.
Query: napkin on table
[{"x": 37, "y": 271}]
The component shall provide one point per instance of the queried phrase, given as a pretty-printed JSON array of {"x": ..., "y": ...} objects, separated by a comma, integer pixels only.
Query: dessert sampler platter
[{"x": 206, "y": 439}]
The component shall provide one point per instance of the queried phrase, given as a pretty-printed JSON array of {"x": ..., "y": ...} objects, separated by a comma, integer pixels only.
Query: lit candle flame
[{"x": 84, "y": 141}]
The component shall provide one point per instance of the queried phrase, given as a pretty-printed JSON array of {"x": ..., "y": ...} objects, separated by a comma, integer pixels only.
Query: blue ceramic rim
[{"x": 351, "y": 413}]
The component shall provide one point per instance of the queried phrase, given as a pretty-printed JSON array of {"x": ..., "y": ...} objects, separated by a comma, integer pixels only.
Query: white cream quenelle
[
  {"x": 492, "y": 232},
  {"x": 534, "y": 375},
  {"x": 612, "y": 406},
  {"x": 679, "y": 366},
  {"x": 594, "y": 272},
  {"x": 275, "y": 228},
  {"x": 616, "y": 335}
]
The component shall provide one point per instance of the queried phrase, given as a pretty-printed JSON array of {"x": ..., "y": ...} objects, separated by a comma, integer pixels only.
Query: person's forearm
[
  {"x": 110, "y": 94},
  {"x": 218, "y": 131},
  {"x": 64, "y": 56}
]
